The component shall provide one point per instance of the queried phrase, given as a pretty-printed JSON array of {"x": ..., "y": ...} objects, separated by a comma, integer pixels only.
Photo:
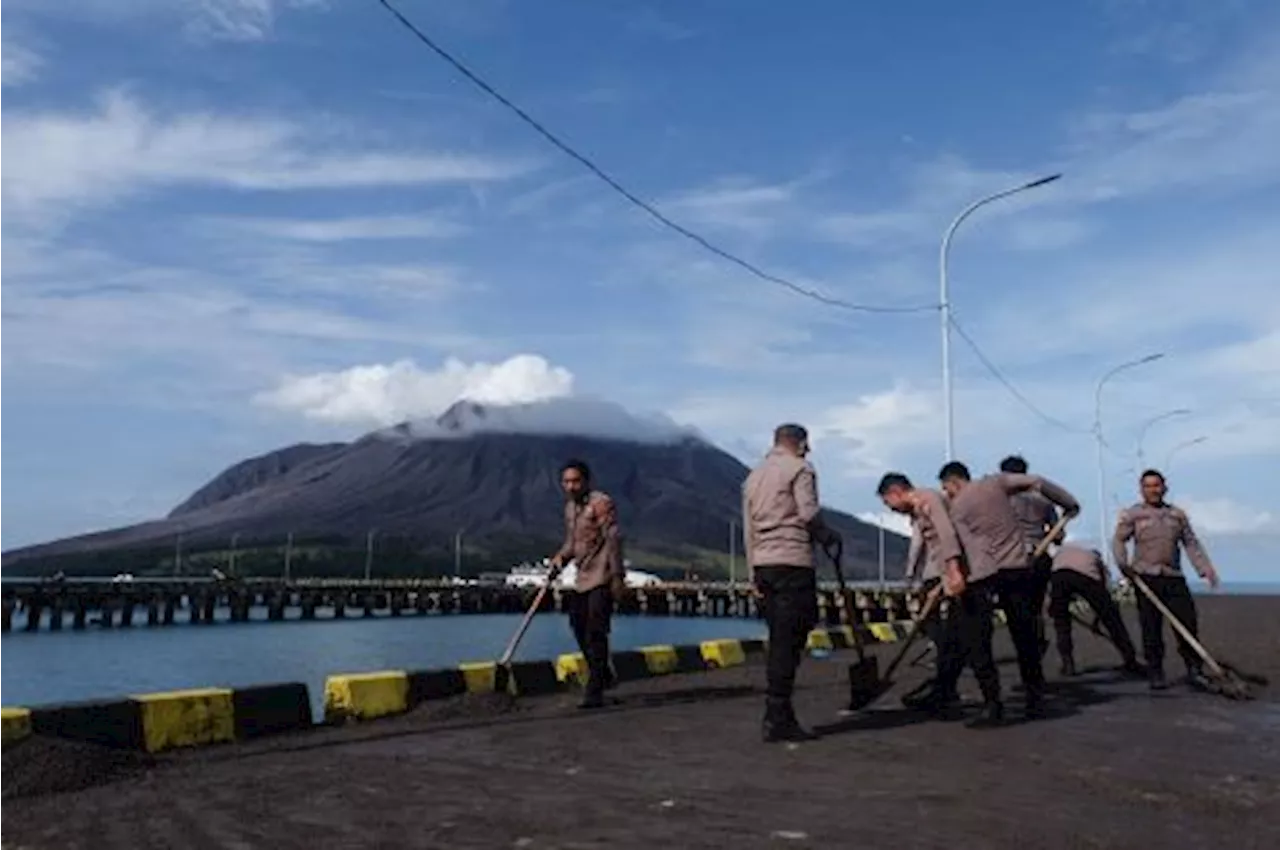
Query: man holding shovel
[
  {"x": 1157, "y": 529},
  {"x": 1037, "y": 515},
  {"x": 935, "y": 549},
  {"x": 965, "y": 635},
  {"x": 1000, "y": 564},
  {"x": 781, "y": 520},
  {"x": 593, "y": 542}
]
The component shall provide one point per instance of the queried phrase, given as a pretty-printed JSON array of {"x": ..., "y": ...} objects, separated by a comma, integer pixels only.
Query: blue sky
[{"x": 236, "y": 224}]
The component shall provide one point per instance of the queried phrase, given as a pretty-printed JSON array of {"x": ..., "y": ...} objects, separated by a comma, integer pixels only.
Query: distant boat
[{"x": 535, "y": 575}]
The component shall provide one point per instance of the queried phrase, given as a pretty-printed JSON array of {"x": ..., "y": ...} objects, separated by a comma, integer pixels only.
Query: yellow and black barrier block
[
  {"x": 264, "y": 710},
  {"x": 426, "y": 685},
  {"x": 365, "y": 696},
  {"x": 170, "y": 719},
  {"x": 529, "y": 678},
  {"x": 723, "y": 653},
  {"x": 15, "y": 724}
]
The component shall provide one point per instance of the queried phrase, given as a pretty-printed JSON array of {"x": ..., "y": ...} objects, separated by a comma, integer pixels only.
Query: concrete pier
[
  {"x": 80, "y": 605},
  {"x": 678, "y": 763}
]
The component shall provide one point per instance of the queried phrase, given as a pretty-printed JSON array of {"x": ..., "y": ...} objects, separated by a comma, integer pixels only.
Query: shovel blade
[{"x": 865, "y": 685}]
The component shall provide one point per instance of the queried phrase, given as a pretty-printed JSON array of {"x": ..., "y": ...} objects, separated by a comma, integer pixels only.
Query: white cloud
[
  {"x": 387, "y": 394},
  {"x": 879, "y": 425},
  {"x": 888, "y": 520},
  {"x": 345, "y": 229},
  {"x": 1226, "y": 516},
  {"x": 57, "y": 160},
  {"x": 201, "y": 20},
  {"x": 20, "y": 64}
]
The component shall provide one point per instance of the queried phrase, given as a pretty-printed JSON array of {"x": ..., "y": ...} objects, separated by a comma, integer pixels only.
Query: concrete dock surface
[{"x": 678, "y": 763}]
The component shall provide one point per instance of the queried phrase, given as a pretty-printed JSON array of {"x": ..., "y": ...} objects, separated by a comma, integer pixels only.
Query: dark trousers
[
  {"x": 932, "y": 625},
  {"x": 1042, "y": 568},
  {"x": 966, "y": 642},
  {"x": 590, "y": 614},
  {"x": 1176, "y": 596},
  {"x": 1016, "y": 590},
  {"x": 791, "y": 611},
  {"x": 1066, "y": 586}
]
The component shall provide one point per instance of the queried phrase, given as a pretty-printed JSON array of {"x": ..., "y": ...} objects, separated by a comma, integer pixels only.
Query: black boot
[
  {"x": 929, "y": 699},
  {"x": 1132, "y": 668},
  {"x": 780, "y": 723},
  {"x": 1196, "y": 678},
  {"x": 1156, "y": 680},
  {"x": 991, "y": 715},
  {"x": 1068, "y": 669},
  {"x": 1034, "y": 708}
]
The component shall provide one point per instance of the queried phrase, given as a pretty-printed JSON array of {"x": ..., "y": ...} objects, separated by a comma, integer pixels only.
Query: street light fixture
[
  {"x": 1142, "y": 432},
  {"x": 1168, "y": 461},
  {"x": 1097, "y": 435},
  {"x": 944, "y": 299}
]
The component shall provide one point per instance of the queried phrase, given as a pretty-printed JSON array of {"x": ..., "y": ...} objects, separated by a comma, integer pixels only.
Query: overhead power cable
[
  {"x": 1008, "y": 385},
  {"x": 631, "y": 197}
]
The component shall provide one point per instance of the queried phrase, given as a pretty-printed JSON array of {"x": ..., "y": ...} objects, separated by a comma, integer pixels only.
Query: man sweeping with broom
[
  {"x": 1157, "y": 530},
  {"x": 593, "y": 541}
]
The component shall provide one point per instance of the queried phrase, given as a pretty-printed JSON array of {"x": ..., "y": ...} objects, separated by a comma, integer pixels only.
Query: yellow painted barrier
[
  {"x": 819, "y": 639},
  {"x": 571, "y": 666},
  {"x": 15, "y": 724},
  {"x": 660, "y": 659},
  {"x": 188, "y": 718},
  {"x": 365, "y": 696},
  {"x": 883, "y": 632},
  {"x": 723, "y": 653},
  {"x": 481, "y": 676}
]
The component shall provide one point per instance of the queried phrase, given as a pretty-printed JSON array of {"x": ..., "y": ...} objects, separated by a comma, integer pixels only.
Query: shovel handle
[
  {"x": 1043, "y": 545},
  {"x": 524, "y": 624},
  {"x": 1178, "y": 627},
  {"x": 930, "y": 603}
]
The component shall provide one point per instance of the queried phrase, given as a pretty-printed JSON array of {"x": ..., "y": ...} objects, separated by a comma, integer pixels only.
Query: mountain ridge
[{"x": 475, "y": 471}]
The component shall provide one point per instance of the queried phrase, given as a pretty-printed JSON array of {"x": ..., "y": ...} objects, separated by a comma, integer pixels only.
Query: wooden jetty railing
[{"x": 81, "y": 604}]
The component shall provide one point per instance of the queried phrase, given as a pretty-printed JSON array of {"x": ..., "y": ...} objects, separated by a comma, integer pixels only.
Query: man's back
[
  {"x": 1035, "y": 513},
  {"x": 779, "y": 504},
  {"x": 989, "y": 529}
]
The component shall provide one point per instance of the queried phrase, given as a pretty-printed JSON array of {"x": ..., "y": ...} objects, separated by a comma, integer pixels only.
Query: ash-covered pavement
[{"x": 680, "y": 765}]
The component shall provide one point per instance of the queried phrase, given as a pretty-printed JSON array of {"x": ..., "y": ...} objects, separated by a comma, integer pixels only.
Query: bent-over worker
[
  {"x": 593, "y": 541},
  {"x": 1079, "y": 571},
  {"x": 781, "y": 520},
  {"x": 999, "y": 562},
  {"x": 1157, "y": 529},
  {"x": 964, "y": 636}
]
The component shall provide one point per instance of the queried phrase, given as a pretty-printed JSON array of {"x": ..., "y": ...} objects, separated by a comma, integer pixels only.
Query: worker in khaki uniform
[
  {"x": 593, "y": 541},
  {"x": 1157, "y": 529},
  {"x": 1037, "y": 516},
  {"x": 781, "y": 520},
  {"x": 999, "y": 563},
  {"x": 1079, "y": 571},
  {"x": 935, "y": 552}
]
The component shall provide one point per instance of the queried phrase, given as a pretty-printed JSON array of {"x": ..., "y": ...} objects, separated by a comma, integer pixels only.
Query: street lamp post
[
  {"x": 881, "y": 527},
  {"x": 457, "y": 553},
  {"x": 1146, "y": 426},
  {"x": 733, "y": 552},
  {"x": 368, "y": 554},
  {"x": 1168, "y": 461},
  {"x": 944, "y": 298},
  {"x": 1097, "y": 435}
]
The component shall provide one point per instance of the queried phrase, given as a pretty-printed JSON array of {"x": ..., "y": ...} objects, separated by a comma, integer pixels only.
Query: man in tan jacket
[
  {"x": 593, "y": 541},
  {"x": 1158, "y": 529},
  {"x": 999, "y": 563},
  {"x": 781, "y": 520}
]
